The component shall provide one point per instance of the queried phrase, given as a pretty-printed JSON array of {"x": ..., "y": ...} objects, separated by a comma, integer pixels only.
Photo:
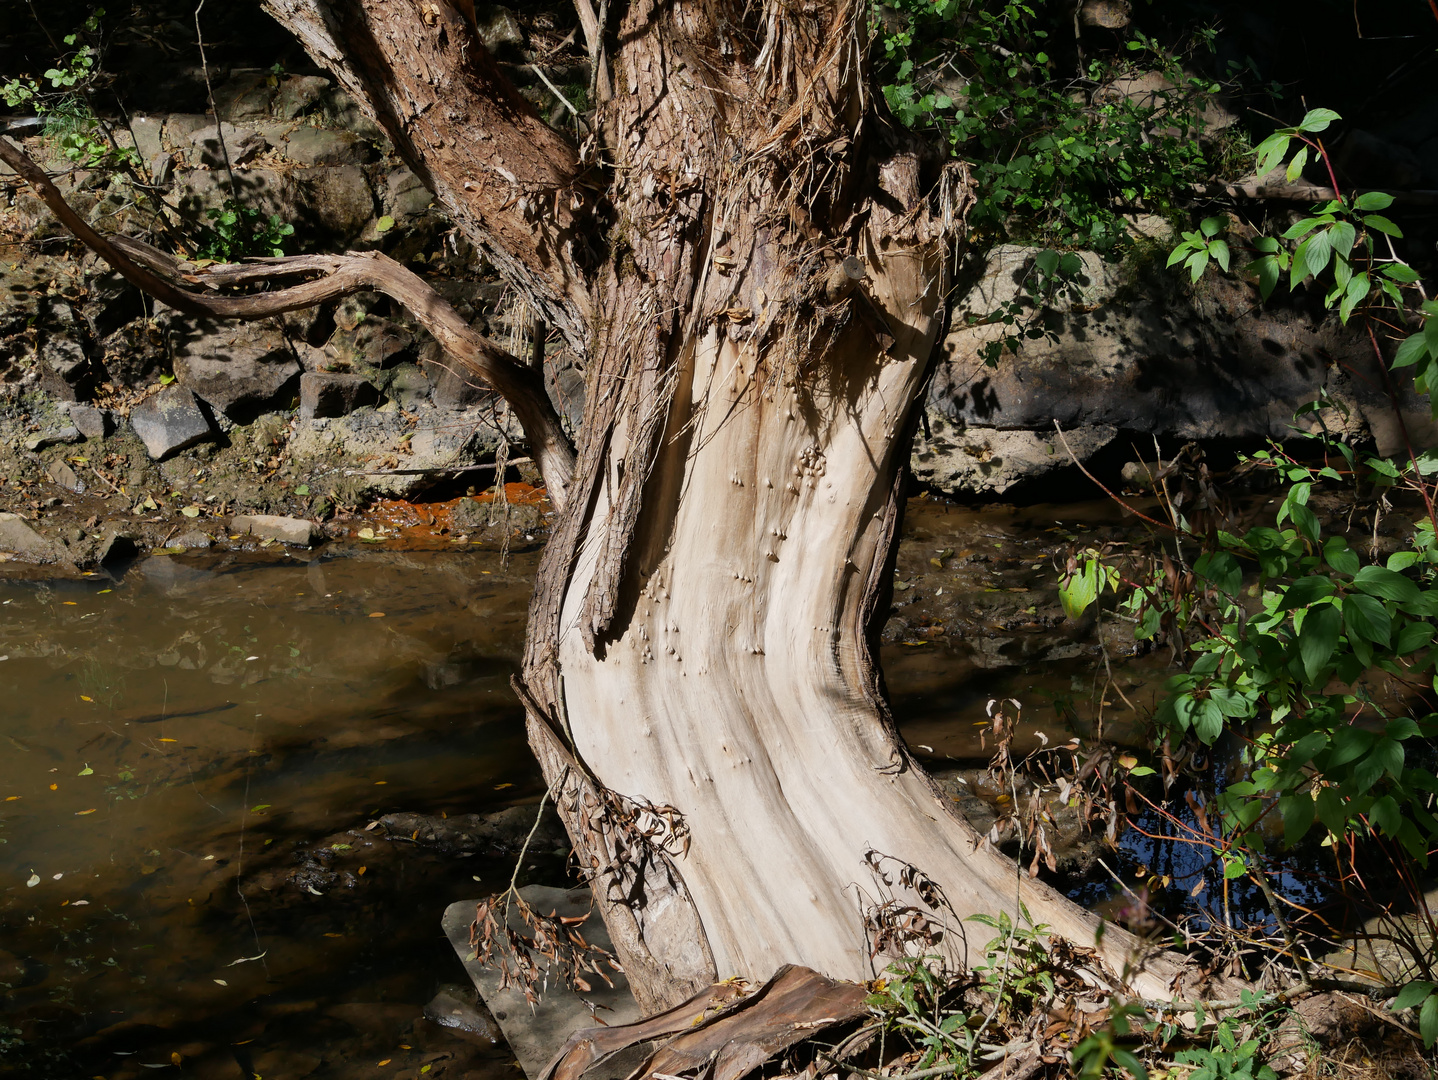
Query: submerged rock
[{"x": 287, "y": 530}]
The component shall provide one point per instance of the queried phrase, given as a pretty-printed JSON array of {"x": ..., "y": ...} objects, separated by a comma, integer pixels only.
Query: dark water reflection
[{"x": 205, "y": 722}]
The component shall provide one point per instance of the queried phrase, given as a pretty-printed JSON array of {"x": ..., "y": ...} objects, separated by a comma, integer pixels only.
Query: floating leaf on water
[
  {"x": 246, "y": 960},
  {"x": 362, "y": 869},
  {"x": 191, "y": 511},
  {"x": 54, "y": 787},
  {"x": 249, "y": 658},
  {"x": 57, "y": 877},
  {"x": 366, "y": 533},
  {"x": 207, "y": 858},
  {"x": 70, "y": 603},
  {"x": 86, "y": 771},
  {"x": 339, "y": 847},
  {"x": 85, "y": 698},
  {"x": 175, "y": 1057},
  {"x": 333, "y": 935},
  {"x": 167, "y": 740},
  {"x": 313, "y": 890},
  {"x": 81, "y": 903},
  {"x": 501, "y": 787},
  {"x": 377, "y": 783},
  {"x": 82, "y": 813},
  {"x": 221, "y": 982},
  {"x": 376, "y": 614},
  {"x": 386, "y": 1061},
  {"x": 33, "y": 880},
  {"x": 102, "y": 592},
  {"x": 261, "y": 806},
  {"x": 12, "y": 798}
]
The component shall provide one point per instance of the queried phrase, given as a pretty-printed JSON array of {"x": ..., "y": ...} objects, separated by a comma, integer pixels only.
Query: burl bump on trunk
[{"x": 750, "y": 259}]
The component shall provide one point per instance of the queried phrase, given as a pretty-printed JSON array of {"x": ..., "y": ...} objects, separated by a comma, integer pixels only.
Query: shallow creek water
[{"x": 190, "y": 753}]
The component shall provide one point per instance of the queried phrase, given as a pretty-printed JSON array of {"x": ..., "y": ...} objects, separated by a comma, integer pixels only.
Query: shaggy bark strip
[{"x": 509, "y": 181}]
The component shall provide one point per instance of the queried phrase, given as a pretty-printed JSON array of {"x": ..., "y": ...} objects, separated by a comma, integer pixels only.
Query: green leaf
[
  {"x": 1367, "y": 618},
  {"x": 1318, "y": 638},
  {"x": 1412, "y": 994},
  {"x": 1337, "y": 554},
  {"x": 1376, "y": 581},
  {"x": 1222, "y": 570},
  {"x": 1211, "y": 226},
  {"x": 1297, "y": 811},
  {"x": 1270, "y": 152},
  {"x": 1413, "y": 636},
  {"x": 1318, "y": 250},
  {"x": 1318, "y": 120},
  {"x": 1296, "y": 166},
  {"x": 1343, "y": 234},
  {"x": 1047, "y": 262},
  {"x": 1219, "y": 250},
  {"x": 1373, "y": 200},
  {"x": 1382, "y": 224},
  {"x": 1306, "y": 590}
]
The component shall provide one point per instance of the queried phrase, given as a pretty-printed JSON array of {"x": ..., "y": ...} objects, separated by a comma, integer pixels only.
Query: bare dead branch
[{"x": 157, "y": 274}]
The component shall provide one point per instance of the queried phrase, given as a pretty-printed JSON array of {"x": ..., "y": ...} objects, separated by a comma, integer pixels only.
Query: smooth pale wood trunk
[{"x": 701, "y": 689}]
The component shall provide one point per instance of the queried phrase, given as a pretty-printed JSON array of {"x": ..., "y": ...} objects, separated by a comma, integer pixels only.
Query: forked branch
[{"x": 327, "y": 277}]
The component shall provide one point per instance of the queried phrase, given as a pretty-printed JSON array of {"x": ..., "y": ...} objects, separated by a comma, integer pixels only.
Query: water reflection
[{"x": 174, "y": 740}]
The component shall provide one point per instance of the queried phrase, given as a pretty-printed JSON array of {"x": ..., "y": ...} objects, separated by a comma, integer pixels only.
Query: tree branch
[
  {"x": 156, "y": 273},
  {"x": 507, "y": 179}
]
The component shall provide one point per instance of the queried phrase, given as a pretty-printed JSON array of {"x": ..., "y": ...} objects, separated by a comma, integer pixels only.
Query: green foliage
[
  {"x": 1423, "y": 996},
  {"x": 62, "y": 104},
  {"x": 1225, "y": 1058},
  {"x": 1093, "y": 1053},
  {"x": 237, "y": 231},
  {"x": 1046, "y": 149}
]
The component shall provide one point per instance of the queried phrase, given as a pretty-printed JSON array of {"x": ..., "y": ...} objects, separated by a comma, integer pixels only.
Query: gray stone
[
  {"x": 324, "y": 394},
  {"x": 240, "y": 143},
  {"x": 498, "y": 28},
  {"x": 241, "y": 369},
  {"x": 448, "y": 1008},
  {"x": 405, "y": 194},
  {"x": 194, "y": 539},
  {"x": 287, "y": 530},
  {"x": 407, "y": 385},
  {"x": 60, "y": 472},
  {"x": 59, "y": 437},
  {"x": 321, "y": 146},
  {"x": 371, "y": 346},
  {"x": 333, "y": 204},
  {"x": 69, "y": 373},
  {"x": 246, "y": 96},
  {"x": 454, "y": 387},
  {"x": 170, "y": 421},
  {"x": 296, "y": 93},
  {"x": 91, "y": 422},
  {"x": 145, "y": 135},
  {"x": 536, "y": 1033},
  {"x": 1133, "y": 348},
  {"x": 17, "y": 538}
]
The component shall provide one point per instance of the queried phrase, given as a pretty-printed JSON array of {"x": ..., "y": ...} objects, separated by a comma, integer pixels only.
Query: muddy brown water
[{"x": 190, "y": 753}]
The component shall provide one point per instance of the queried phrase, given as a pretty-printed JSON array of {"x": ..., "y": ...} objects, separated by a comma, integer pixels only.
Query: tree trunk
[{"x": 700, "y": 677}]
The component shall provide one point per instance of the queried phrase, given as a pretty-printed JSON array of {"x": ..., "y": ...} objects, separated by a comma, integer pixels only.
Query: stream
[{"x": 191, "y": 753}]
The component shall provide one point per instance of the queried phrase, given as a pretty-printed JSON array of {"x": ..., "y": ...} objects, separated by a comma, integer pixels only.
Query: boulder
[
  {"x": 240, "y": 369},
  {"x": 324, "y": 394},
  {"x": 297, "y": 93},
  {"x": 454, "y": 387},
  {"x": 331, "y": 205},
  {"x": 1133, "y": 348},
  {"x": 287, "y": 530},
  {"x": 91, "y": 422},
  {"x": 60, "y": 472},
  {"x": 240, "y": 143},
  {"x": 68, "y": 373},
  {"x": 17, "y": 538},
  {"x": 405, "y": 194},
  {"x": 322, "y": 146},
  {"x": 59, "y": 437},
  {"x": 170, "y": 421}
]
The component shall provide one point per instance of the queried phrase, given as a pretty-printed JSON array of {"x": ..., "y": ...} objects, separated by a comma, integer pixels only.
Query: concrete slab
[{"x": 535, "y": 1035}]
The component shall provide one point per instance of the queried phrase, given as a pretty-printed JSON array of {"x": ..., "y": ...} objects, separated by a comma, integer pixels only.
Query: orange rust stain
[{"x": 421, "y": 524}]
